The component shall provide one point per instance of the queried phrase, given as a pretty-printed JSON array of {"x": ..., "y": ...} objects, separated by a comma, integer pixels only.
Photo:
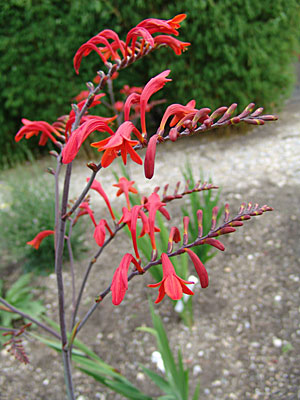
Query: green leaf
[
  {"x": 158, "y": 380},
  {"x": 163, "y": 346},
  {"x": 197, "y": 392}
]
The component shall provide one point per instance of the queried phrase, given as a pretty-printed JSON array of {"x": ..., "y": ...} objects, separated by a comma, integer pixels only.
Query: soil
[{"x": 246, "y": 338}]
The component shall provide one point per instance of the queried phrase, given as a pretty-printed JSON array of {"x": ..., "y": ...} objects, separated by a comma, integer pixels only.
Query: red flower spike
[
  {"x": 171, "y": 284},
  {"x": 150, "y": 157},
  {"x": 119, "y": 283},
  {"x": 186, "y": 221},
  {"x": 176, "y": 45},
  {"x": 39, "y": 238},
  {"x": 153, "y": 86},
  {"x": 125, "y": 186},
  {"x": 96, "y": 185},
  {"x": 173, "y": 237},
  {"x": 200, "y": 224},
  {"x": 215, "y": 243},
  {"x": 32, "y": 128},
  {"x": 199, "y": 267},
  {"x": 85, "y": 206},
  {"x": 120, "y": 141},
  {"x": 99, "y": 233}
]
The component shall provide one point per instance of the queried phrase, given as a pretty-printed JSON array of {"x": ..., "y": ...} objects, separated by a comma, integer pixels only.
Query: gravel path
[{"x": 246, "y": 339}]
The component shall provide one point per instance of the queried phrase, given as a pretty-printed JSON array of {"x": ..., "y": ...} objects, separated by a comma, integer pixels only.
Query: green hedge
[{"x": 241, "y": 50}]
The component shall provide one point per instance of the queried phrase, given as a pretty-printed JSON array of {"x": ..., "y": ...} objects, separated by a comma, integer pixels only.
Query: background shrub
[{"x": 241, "y": 50}]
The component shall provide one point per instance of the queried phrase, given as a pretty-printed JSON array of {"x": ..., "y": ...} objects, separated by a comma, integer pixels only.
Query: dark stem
[
  {"x": 60, "y": 284},
  {"x": 26, "y": 316},
  {"x": 83, "y": 194},
  {"x": 69, "y": 244},
  {"x": 56, "y": 177}
]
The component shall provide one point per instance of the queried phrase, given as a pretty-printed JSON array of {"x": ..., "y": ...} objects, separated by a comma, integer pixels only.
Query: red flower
[
  {"x": 87, "y": 210},
  {"x": 133, "y": 34},
  {"x": 99, "y": 233},
  {"x": 133, "y": 98},
  {"x": 94, "y": 123},
  {"x": 130, "y": 218},
  {"x": 107, "y": 50},
  {"x": 170, "y": 26},
  {"x": 171, "y": 284},
  {"x": 120, "y": 141},
  {"x": 39, "y": 237},
  {"x": 179, "y": 111},
  {"x": 153, "y": 86},
  {"x": 32, "y": 128},
  {"x": 150, "y": 156},
  {"x": 117, "y": 49},
  {"x": 153, "y": 204},
  {"x": 119, "y": 283},
  {"x": 96, "y": 185},
  {"x": 176, "y": 45},
  {"x": 125, "y": 186},
  {"x": 199, "y": 267}
]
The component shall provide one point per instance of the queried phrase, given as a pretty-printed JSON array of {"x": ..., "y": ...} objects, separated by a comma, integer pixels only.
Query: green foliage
[
  {"x": 241, "y": 51},
  {"x": 20, "y": 296},
  {"x": 91, "y": 364},
  {"x": 27, "y": 207},
  {"x": 175, "y": 383}
]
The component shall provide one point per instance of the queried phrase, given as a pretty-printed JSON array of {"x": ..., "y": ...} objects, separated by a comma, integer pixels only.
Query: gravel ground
[{"x": 246, "y": 338}]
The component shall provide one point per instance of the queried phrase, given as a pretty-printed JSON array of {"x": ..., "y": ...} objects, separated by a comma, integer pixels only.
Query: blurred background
[{"x": 241, "y": 51}]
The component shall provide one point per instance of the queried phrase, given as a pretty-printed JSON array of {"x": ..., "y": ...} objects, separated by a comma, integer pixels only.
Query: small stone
[
  {"x": 201, "y": 352},
  {"x": 140, "y": 376},
  {"x": 189, "y": 345},
  {"x": 197, "y": 370},
  {"x": 277, "y": 342},
  {"x": 46, "y": 382},
  {"x": 277, "y": 298},
  {"x": 250, "y": 257},
  {"x": 216, "y": 383}
]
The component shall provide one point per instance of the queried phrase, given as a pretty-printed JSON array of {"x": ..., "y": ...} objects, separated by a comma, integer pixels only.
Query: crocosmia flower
[
  {"x": 171, "y": 285},
  {"x": 33, "y": 128},
  {"x": 39, "y": 238},
  {"x": 121, "y": 142},
  {"x": 119, "y": 283},
  {"x": 199, "y": 267}
]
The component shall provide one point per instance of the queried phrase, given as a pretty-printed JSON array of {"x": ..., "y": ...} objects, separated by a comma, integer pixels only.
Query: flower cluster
[{"x": 139, "y": 41}]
